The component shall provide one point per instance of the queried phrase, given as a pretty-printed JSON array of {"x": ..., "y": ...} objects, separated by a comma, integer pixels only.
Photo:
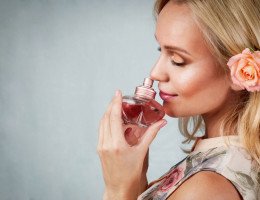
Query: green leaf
[{"x": 251, "y": 49}]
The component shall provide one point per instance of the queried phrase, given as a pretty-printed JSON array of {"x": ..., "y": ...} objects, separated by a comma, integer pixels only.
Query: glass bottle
[{"x": 141, "y": 109}]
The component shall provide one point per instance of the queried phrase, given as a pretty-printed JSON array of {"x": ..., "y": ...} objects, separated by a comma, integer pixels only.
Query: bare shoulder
[{"x": 206, "y": 185}]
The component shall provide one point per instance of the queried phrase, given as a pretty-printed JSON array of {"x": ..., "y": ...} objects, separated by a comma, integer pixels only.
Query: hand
[
  {"x": 122, "y": 164},
  {"x": 133, "y": 133}
]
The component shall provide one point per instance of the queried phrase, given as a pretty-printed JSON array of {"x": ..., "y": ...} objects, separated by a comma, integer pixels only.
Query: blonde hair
[{"x": 228, "y": 27}]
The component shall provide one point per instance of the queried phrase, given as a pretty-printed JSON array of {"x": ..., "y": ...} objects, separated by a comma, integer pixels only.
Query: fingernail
[
  {"x": 163, "y": 123},
  {"x": 117, "y": 93}
]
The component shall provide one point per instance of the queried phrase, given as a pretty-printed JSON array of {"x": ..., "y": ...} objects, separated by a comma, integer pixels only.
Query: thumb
[{"x": 151, "y": 133}]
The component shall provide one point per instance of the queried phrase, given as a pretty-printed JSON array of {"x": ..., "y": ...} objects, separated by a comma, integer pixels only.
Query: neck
[
  {"x": 212, "y": 126},
  {"x": 213, "y": 120}
]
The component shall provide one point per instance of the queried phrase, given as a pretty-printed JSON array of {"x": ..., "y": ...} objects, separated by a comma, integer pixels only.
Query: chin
[
  {"x": 175, "y": 113},
  {"x": 170, "y": 113}
]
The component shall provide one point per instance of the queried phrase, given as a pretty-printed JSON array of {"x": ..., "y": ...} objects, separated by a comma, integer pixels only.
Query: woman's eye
[
  {"x": 172, "y": 61},
  {"x": 177, "y": 64}
]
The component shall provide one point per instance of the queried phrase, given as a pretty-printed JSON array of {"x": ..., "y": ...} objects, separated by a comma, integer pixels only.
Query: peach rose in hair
[{"x": 245, "y": 70}]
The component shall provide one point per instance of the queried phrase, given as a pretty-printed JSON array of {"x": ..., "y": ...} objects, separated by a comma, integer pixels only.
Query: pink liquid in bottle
[{"x": 142, "y": 109}]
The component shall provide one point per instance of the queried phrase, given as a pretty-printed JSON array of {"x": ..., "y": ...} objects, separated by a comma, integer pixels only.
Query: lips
[{"x": 166, "y": 97}]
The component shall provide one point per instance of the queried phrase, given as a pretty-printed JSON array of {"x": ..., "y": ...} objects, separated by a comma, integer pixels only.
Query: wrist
[{"x": 143, "y": 184}]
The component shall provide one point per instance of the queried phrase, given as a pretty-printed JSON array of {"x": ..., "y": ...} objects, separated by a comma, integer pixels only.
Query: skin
[{"x": 201, "y": 89}]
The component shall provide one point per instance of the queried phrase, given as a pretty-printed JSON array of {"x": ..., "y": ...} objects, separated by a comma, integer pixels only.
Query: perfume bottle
[{"x": 141, "y": 109}]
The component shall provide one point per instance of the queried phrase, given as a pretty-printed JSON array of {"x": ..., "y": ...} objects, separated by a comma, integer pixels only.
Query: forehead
[{"x": 176, "y": 26}]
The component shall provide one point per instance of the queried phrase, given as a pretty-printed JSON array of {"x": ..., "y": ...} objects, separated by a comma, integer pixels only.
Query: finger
[
  {"x": 105, "y": 121},
  {"x": 151, "y": 133},
  {"x": 116, "y": 117},
  {"x": 106, "y": 131},
  {"x": 139, "y": 132},
  {"x": 100, "y": 135},
  {"x": 146, "y": 162},
  {"x": 109, "y": 108}
]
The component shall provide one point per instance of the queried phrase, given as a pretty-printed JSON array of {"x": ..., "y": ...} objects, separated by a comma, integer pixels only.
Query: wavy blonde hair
[{"x": 228, "y": 27}]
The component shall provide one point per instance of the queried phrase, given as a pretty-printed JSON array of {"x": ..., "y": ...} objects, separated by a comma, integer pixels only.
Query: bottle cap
[{"x": 145, "y": 91}]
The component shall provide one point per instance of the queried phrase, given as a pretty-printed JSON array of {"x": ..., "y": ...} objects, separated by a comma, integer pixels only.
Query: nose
[{"x": 159, "y": 71}]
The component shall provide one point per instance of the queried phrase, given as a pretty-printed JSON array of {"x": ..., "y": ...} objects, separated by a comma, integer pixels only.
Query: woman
[{"x": 209, "y": 74}]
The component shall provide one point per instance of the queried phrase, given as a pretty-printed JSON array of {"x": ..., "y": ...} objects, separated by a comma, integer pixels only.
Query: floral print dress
[{"x": 224, "y": 155}]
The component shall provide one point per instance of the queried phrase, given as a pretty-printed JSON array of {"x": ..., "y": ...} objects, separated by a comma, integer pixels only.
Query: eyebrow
[{"x": 174, "y": 48}]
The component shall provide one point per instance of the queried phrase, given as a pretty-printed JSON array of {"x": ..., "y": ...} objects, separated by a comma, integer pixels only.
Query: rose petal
[
  {"x": 257, "y": 58},
  {"x": 234, "y": 59},
  {"x": 257, "y": 68},
  {"x": 253, "y": 88},
  {"x": 237, "y": 82},
  {"x": 246, "y": 51},
  {"x": 250, "y": 83},
  {"x": 241, "y": 64},
  {"x": 257, "y": 54},
  {"x": 233, "y": 69},
  {"x": 250, "y": 71}
]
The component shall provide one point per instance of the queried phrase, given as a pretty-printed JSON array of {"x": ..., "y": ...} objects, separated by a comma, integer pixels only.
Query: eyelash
[
  {"x": 177, "y": 64},
  {"x": 174, "y": 63}
]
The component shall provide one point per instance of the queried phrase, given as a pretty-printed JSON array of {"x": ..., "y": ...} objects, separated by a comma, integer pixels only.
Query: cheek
[
  {"x": 197, "y": 96},
  {"x": 191, "y": 82},
  {"x": 198, "y": 77},
  {"x": 206, "y": 91}
]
